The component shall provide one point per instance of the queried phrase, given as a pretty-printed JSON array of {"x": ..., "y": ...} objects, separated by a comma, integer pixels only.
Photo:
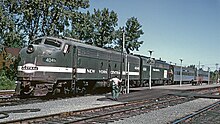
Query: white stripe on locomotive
[{"x": 67, "y": 70}]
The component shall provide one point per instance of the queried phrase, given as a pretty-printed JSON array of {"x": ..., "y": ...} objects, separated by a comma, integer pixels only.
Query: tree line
[{"x": 23, "y": 20}]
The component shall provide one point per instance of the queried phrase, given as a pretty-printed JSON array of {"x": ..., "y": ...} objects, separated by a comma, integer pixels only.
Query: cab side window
[{"x": 66, "y": 48}]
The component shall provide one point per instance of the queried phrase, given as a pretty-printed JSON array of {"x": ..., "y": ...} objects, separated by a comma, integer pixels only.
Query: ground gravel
[
  {"x": 56, "y": 106},
  {"x": 167, "y": 115}
]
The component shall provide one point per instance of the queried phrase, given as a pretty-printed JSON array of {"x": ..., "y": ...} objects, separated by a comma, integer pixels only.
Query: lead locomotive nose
[{"x": 30, "y": 49}]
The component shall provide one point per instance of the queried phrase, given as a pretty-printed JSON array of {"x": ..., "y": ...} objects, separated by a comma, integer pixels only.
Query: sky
[{"x": 173, "y": 29}]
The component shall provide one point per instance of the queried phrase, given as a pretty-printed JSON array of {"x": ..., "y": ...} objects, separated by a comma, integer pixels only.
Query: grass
[{"x": 6, "y": 84}]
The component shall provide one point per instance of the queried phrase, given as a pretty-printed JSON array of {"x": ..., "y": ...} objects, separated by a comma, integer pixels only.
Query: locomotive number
[{"x": 49, "y": 60}]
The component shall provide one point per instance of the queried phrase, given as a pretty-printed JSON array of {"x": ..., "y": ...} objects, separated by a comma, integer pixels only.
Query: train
[{"x": 51, "y": 65}]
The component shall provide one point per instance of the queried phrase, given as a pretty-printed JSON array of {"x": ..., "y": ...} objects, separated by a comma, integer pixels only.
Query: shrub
[{"x": 6, "y": 84}]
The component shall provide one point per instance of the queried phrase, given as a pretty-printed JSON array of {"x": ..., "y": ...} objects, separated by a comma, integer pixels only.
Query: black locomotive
[{"x": 52, "y": 65}]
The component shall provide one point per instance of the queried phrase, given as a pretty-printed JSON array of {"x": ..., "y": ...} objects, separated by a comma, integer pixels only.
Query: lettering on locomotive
[
  {"x": 29, "y": 68},
  {"x": 103, "y": 72},
  {"x": 90, "y": 70},
  {"x": 156, "y": 69},
  {"x": 115, "y": 72}
]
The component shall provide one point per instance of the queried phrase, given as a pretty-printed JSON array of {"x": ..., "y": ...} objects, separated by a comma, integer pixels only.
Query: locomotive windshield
[
  {"x": 38, "y": 41},
  {"x": 52, "y": 42}
]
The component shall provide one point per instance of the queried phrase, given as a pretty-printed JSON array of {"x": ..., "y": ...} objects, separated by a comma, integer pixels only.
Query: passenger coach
[{"x": 188, "y": 74}]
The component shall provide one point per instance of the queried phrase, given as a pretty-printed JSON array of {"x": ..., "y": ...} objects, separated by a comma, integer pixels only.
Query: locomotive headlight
[{"x": 30, "y": 49}]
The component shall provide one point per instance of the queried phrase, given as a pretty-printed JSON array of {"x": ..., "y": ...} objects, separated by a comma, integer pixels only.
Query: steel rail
[
  {"x": 6, "y": 92},
  {"x": 195, "y": 113}
]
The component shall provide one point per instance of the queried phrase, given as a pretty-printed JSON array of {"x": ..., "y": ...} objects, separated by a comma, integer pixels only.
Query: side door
[
  {"x": 109, "y": 69},
  {"x": 67, "y": 60}
]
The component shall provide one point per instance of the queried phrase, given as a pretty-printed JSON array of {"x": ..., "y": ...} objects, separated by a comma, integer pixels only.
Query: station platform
[{"x": 140, "y": 93}]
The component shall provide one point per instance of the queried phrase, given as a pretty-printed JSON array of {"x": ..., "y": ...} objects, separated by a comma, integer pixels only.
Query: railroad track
[
  {"x": 104, "y": 114},
  {"x": 9, "y": 101},
  {"x": 6, "y": 93},
  {"x": 108, "y": 113},
  {"x": 6, "y": 97},
  {"x": 190, "y": 117}
]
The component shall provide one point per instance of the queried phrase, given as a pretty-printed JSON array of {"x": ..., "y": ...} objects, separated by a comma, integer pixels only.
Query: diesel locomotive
[{"x": 50, "y": 65}]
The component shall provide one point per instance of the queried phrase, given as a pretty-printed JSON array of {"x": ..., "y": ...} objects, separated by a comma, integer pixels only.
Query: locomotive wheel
[
  {"x": 62, "y": 89},
  {"x": 23, "y": 93},
  {"x": 81, "y": 91},
  {"x": 26, "y": 91},
  {"x": 68, "y": 88},
  {"x": 56, "y": 91}
]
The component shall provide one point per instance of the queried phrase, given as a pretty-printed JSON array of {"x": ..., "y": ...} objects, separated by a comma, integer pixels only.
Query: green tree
[
  {"x": 43, "y": 17},
  {"x": 97, "y": 28},
  {"x": 82, "y": 27},
  {"x": 24, "y": 20},
  {"x": 9, "y": 33},
  {"x": 7, "y": 73},
  {"x": 104, "y": 22},
  {"x": 132, "y": 32}
]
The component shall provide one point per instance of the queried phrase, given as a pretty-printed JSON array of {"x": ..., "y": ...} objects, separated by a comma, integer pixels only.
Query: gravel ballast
[
  {"x": 56, "y": 106},
  {"x": 167, "y": 115}
]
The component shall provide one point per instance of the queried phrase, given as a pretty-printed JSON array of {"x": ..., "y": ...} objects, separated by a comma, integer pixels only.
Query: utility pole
[
  {"x": 122, "y": 53},
  {"x": 217, "y": 72},
  {"x": 198, "y": 73},
  {"x": 128, "y": 88},
  {"x": 181, "y": 72},
  {"x": 123, "y": 39},
  {"x": 208, "y": 75},
  {"x": 126, "y": 61},
  {"x": 150, "y": 51}
]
